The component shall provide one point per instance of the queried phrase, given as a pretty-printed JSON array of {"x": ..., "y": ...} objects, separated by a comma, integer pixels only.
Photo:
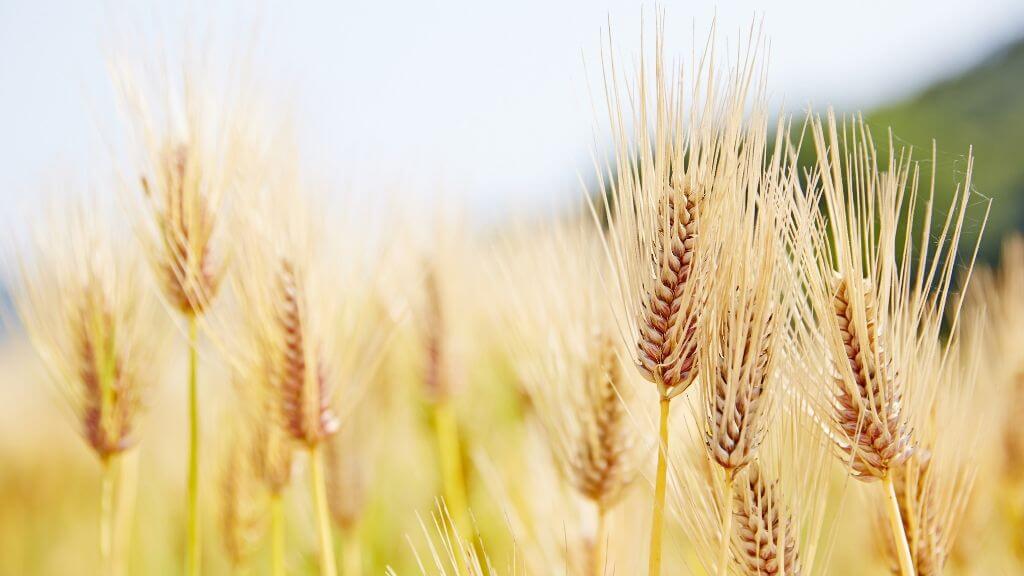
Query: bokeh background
[{"x": 489, "y": 105}]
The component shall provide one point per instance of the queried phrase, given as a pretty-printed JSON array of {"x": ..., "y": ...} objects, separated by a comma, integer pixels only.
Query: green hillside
[{"x": 983, "y": 107}]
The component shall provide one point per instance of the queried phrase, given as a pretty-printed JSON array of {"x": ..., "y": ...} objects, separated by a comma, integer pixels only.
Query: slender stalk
[
  {"x": 896, "y": 523},
  {"x": 599, "y": 551},
  {"x": 107, "y": 523},
  {"x": 351, "y": 553},
  {"x": 723, "y": 554},
  {"x": 451, "y": 461},
  {"x": 193, "y": 553},
  {"x": 125, "y": 488},
  {"x": 447, "y": 429},
  {"x": 658, "y": 518},
  {"x": 277, "y": 535},
  {"x": 316, "y": 466}
]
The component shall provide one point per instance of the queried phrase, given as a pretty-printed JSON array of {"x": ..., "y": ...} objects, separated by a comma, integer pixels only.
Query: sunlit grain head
[
  {"x": 682, "y": 140},
  {"x": 196, "y": 143},
  {"x": 880, "y": 284},
  {"x": 87, "y": 307},
  {"x": 567, "y": 354}
]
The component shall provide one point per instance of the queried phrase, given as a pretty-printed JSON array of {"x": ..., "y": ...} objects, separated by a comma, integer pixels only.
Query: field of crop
[{"x": 758, "y": 345}]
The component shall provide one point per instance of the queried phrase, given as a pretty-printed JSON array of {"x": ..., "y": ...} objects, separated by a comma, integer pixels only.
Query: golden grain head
[
  {"x": 747, "y": 315},
  {"x": 84, "y": 302},
  {"x": 879, "y": 284},
  {"x": 568, "y": 357},
  {"x": 197, "y": 142},
  {"x": 765, "y": 541},
  {"x": 242, "y": 505},
  {"x": 673, "y": 163}
]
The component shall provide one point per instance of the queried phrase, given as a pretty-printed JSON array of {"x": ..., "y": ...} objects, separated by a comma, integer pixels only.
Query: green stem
[
  {"x": 351, "y": 553},
  {"x": 327, "y": 565},
  {"x": 277, "y": 535},
  {"x": 896, "y": 524},
  {"x": 107, "y": 515},
  {"x": 658, "y": 518},
  {"x": 193, "y": 553},
  {"x": 723, "y": 554},
  {"x": 447, "y": 430}
]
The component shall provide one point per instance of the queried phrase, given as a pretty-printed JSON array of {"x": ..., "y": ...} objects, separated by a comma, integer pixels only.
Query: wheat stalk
[
  {"x": 83, "y": 301},
  {"x": 748, "y": 314},
  {"x": 880, "y": 303},
  {"x": 191, "y": 149},
  {"x": 347, "y": 459},
  {"x": 569, "y": 362},
  {"x": 673, "y": 162}
]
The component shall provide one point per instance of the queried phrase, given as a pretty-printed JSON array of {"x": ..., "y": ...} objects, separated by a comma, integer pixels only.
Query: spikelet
[
  {"x": 192, "y": 149},
  {"x": 84, "y": 302},
  {"x": 779, "y": 500},
  {"x": 674, "y": 159},
  {"x": 749, "y": 310},
  {"x": 567, "y": 356},
  {"x": 271, "y": 451},
  {"x": 878, "y": 297}
]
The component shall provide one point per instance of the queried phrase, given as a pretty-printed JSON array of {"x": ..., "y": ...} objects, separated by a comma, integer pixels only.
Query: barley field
[{"x": 754, "y": 344}]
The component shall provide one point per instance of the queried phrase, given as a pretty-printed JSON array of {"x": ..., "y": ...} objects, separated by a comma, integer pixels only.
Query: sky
[{"x": 489, "y": 102}]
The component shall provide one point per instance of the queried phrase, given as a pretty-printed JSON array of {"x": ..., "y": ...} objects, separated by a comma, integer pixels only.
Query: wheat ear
[{"x": 86, "y": 309}]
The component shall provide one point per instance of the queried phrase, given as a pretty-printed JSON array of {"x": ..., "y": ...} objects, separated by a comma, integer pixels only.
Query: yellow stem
[
  {"x": 896, "y": 523},
  {"x": 723, "y": 554},
  {"x": 451, "y": 461},
  {"x": 654, "y": 566},
  {"x": 125, "y": 488},
  {"x": 193, "y": 553},
  {"x": 351, "y": 553},
  {"x": 598, "y": 561},
  {"x": 277, "y": 534},
  {"x": 107, "y": 516},
  {"x": 447, "y": 429},
  {"x": 327, "y": 565}
]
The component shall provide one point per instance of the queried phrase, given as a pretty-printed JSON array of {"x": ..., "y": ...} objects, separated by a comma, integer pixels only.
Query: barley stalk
[
  {"x": 193, "y": 550},
  {"x": 323, "y": 520},
  {"x": 81, "y": 298},
  {"x": 107, "y": 516},
  {"x": 658, "y": 517},
  {"x": 896, "y": 525},
  {"x": 277, "y": 535}
]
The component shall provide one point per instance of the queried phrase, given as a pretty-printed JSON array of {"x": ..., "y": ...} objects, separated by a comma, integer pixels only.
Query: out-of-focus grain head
[
  {"x": 242, "y": 504},
  {"x": 309, "y": 309},
  {"x": 87, "y": 307},
  {"x": 195, "y": 144},
  {"x": 677, "y": 151},
  {"x": 349, "y": 461},
  {"x": 271, "y": 449},
  {"x": 566, "y": 353},
  {"x": 994, "y": 304}
]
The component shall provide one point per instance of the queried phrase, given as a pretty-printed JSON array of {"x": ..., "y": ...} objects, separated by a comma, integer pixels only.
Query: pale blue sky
[{"x": 488, "y": 100}]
